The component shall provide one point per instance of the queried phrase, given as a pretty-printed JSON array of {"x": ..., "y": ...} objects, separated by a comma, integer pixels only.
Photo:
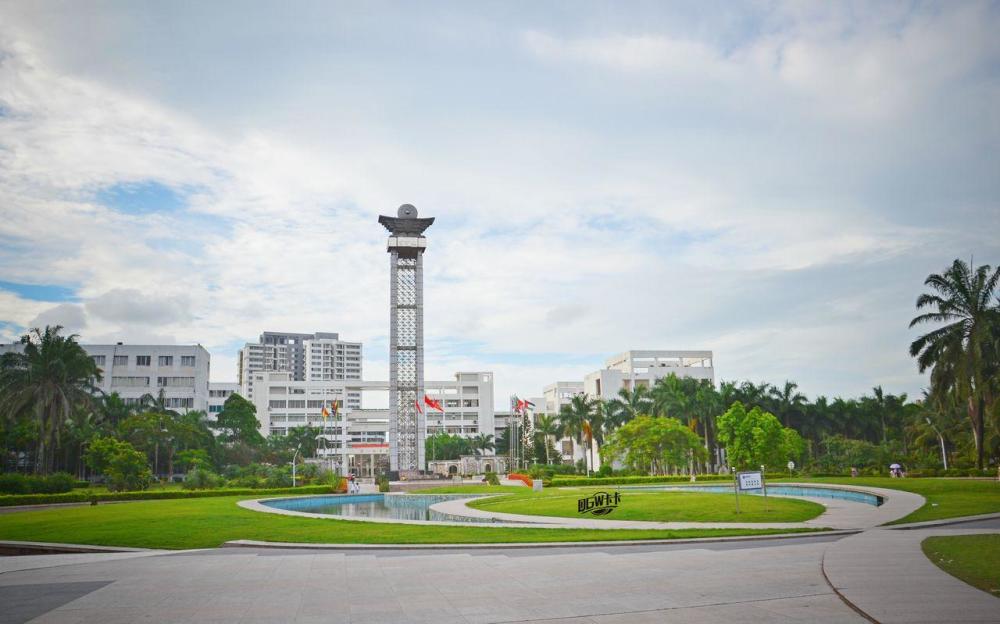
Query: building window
[
  {"x": 165, "y": 360},
  {"x": 121, "y": 360},
  {"x": 180, "y": 402},
  {"x": 296, "y": 405},
  {"x": 98, "y": 359},
  {"x": 130, "y": 382},
  {"x": 567, "y": 447},
  {"x": 187, "y": 360},
  {"x": 214, "y": 409},
  {"x": 143, "y": 360},
  {"x": 277, "y": 404},
  {"x": 175, "y": 382},
  {"x": 470, "y": 403},
  {"x": 277, "y": 431}
]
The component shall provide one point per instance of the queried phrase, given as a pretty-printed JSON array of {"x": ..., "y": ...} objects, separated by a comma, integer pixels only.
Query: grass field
[
  {"x": 656, "y": 506},
  {"x": 946, "y": 498},
  {"x": 208, "y": 522},
  {"x": 973, "y": 558}
]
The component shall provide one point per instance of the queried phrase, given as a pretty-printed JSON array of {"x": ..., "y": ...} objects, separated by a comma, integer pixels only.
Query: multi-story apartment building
[
  {"x": 133, "y": 371},
  {"x": 314, "y": 357},
  {"x": 357, "y": 439}
]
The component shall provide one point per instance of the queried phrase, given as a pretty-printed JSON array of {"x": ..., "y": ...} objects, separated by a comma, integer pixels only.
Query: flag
[
  {"x": 433, "y": 403},
  {"x": 523, "y": 404},
  {"x": 416, "y": 403},
  {"x": 336, "y": 407},
  {"x": 517, "y": 403},
  {"x": 325, "y": 413}
]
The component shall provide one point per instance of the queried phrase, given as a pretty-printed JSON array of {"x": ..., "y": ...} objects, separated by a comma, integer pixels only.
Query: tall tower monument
[{"x": 407, "y": 427}]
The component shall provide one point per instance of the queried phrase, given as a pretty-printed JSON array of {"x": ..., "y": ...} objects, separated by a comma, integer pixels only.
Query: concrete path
[
  {"x": 884, "y": 573},
  {"x": 729, "y": 584},
  {"x": 839, "y": 514}
]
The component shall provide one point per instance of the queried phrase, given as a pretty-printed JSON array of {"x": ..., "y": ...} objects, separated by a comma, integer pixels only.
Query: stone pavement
[
  {"x": 885, "y": 573},
  {"x": 767, "y": 582}
]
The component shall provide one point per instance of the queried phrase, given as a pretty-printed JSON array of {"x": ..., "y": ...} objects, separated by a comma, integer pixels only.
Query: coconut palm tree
[
  {"x": 961, "y": 353},
  {"x": 548, "y": 425},
  {"x": 482, "y": 443},
  {"x": 787, "y": 402},
  {"x": 627, "y": 405},
  {"x": 48, "y": 379},
  {"x": 574, "y": 417},
  {"x": 114, "y": 409}
]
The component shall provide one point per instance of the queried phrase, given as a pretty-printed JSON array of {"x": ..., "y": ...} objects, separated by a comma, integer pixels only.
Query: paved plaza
[{"x": 877, "y": 575}]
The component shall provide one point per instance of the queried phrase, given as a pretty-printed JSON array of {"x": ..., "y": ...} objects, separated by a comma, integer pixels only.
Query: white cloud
[{"x": 634, "y": 189}]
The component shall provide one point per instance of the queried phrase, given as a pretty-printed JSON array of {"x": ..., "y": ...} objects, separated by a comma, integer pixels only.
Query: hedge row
[
  {"x": 84, "y": 497},
  {"x": 560, "y": 482}
]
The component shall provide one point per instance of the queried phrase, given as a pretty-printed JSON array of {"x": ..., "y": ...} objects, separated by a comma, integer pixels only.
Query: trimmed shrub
[
  {"x": 383, "y": 483},
  {"x": 201, "y": 479},
  {"x": 83, "y": 497},
  {"x": 15, "y": 483},
  {"x": 491, "y": 478},
  {"x": 560, "y": 482}
]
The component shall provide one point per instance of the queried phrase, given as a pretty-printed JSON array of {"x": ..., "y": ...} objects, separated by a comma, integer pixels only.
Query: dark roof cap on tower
[{"x": 407, "y": 223}]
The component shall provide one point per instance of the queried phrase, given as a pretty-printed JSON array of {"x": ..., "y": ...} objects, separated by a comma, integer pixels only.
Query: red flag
[
  {"x": 433, "y": 403},
  {"x": 416, "y": 402}
]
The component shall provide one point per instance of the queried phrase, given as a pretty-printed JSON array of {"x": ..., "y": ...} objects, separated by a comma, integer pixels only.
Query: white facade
[
  {"x": 134, "y": 371},
  {"x": 357, "y": 439},
  {"x": 218, "y": 392},
  {"x": 316, "y": 357},
  {"x": 632, "y": 369}
]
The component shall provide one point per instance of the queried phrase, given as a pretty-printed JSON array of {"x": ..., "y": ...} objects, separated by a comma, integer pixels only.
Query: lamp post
[
  {"x": 294, "y": 457},
  {"x": 944, "y": 456}
]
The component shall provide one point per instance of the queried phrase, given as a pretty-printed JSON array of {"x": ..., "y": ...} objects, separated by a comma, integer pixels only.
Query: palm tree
[
  {"x": 50, "y": 378},
  {"x": 574, "y": 417},
  {"x": 627, "y": 405},
  {"x": 482, "y": 443},
  {"x": 961, "y": 353},
  {"x": 548, "y": 425},
  {"x": 114, "y": 409},
  {"x": 787, "y": 401}
]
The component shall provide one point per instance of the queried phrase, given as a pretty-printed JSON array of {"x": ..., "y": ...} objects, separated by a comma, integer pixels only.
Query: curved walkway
[
  {"x": 839, "y": 514},
  {"x": 885, "y": 574}
]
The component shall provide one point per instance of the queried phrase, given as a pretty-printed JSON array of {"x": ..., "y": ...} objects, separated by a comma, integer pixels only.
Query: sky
[{"x": 772, "y": 181}]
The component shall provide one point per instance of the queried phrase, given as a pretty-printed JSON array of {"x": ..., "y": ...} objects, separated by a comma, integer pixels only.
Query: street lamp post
[
  {"x": 294, "y": 457},
  {"x": 944, "y": 456}
]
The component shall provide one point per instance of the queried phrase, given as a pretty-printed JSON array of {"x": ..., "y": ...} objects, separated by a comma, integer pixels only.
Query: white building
[
  {"x": 316, "y": 357},
  {"x": 133, "y": 371},
  {"x": 632, "y": 369},
  {"x": 627, "y": 370},
  {"x": 218, "y": 392},
  {"x": 358, "y": 438}
]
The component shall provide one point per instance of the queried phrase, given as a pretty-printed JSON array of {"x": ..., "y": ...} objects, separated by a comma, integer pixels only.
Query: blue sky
[{"x": 772, "y": 181}]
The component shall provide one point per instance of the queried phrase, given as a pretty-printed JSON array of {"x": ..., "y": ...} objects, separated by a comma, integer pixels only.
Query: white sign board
[{"x": 750, "y": 480}]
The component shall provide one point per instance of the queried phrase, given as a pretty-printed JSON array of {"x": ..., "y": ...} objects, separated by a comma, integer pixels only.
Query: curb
[
  {"x": 517, "y": 545},
  {"x": 12, "y": 547},
  {"x": 930, "y": 524}
]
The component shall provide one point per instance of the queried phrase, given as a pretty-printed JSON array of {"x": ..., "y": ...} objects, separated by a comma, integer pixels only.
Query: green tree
[
  {"x": 788, "y": 402},
  {"x": 654, "y": 445},
  {"x": 238, "y": 422},
  {"x": 548, "y": 426},
  {"x": 574, "y": 418},
  {"x": 962, "y": 354},
  {"x": 446, "y": 446},
  {"x": 627, "y": 405},
  {"x": 123, "y": 465},
  {"x": 752, "y": 438},
  {"x": 482, "y": 443},
  {"x": 50, "y": 378}
]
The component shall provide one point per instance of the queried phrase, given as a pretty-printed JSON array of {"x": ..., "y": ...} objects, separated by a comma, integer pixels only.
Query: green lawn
[
  {"x": 946, "y": 498},
  {"x": 656, "y": 506},
  {"x": 973, "y": 558},
  {"x": 208, "y": 522}
]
